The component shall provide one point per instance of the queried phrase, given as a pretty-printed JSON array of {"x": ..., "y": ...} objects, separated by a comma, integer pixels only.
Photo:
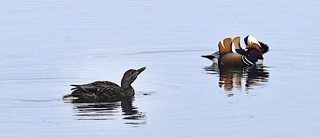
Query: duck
[
  {"x": 106, "y": 90},
  {"x": 231, "y": 54}
]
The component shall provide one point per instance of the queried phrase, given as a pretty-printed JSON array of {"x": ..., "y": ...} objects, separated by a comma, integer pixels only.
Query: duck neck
[
  {"x": 252, "y": 56},
  {"x": 125, "y": 84},
  {"x": 127, "y": 90}
]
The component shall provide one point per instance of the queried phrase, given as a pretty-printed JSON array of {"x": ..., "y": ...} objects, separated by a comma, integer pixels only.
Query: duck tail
[
  {"x": 226, "y": 47},
  {"x": 69, "y": 96},
  {"x": 210, "y": 57},
  {"x": 75, "y": 87}
]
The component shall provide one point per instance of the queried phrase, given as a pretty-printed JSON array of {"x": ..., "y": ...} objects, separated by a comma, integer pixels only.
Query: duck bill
[{"x": 140, "y": 70}]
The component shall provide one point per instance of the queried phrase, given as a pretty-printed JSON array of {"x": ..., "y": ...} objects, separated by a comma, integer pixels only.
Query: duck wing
[
  {"x": 236, "y": 48},
  {"x": 110, "y": 93},
  {"x": 229, "y": 46},
  {"x": 226, "y": 47},
  {"x": 94, "y": 87}
]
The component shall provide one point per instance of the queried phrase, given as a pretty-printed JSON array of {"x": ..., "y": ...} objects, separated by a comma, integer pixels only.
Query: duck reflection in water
[
  {"x": 84, "y": 110},
  {"x": 232, "y": 77}
]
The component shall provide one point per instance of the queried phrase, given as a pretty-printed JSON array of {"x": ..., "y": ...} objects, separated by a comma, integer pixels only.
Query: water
[{"x": 46, "y": 46}]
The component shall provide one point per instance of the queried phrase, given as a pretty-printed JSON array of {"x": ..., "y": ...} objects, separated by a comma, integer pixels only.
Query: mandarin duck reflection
[
  {"x": 231, "y": 78},
  {"x": 106, "y": 90}
]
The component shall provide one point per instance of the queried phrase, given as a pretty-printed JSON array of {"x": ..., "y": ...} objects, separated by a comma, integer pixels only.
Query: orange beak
[{"x": 140, "y": 70}]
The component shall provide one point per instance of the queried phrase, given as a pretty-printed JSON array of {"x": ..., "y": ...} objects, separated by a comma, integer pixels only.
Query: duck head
[
  {"x": 252, "y": 43},
  {"x": 130, "y": 76}
]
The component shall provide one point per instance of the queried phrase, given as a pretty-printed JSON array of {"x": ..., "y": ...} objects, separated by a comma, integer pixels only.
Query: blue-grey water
[{"x": 48, "y": 45}]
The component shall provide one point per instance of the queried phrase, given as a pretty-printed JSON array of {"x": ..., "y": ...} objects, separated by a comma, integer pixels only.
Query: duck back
[{"x": 99, "y": 90}]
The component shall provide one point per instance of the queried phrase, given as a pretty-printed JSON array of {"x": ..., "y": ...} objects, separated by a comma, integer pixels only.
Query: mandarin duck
[
  {"x": 231, "y": 54},
  {"x": 106, "y": 90}
]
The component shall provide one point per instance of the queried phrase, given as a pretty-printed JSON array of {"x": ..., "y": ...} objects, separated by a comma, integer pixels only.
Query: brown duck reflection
[
  {"x": 108, "y": 111},
  {"x": 237, "y": 77}
]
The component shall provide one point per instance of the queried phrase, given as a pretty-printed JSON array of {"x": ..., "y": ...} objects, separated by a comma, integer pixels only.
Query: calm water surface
[{"x": 46, "y": 46}]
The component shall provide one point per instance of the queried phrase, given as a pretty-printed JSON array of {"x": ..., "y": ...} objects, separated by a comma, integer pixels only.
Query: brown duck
[{"x": 106, "y": 90}]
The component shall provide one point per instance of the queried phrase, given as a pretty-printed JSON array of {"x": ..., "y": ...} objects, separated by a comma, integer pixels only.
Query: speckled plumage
[{"x": 106, "y": 90}]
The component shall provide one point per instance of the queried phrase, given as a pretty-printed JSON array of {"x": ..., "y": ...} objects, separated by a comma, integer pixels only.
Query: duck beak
[{"x": 140, "y": 70}]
